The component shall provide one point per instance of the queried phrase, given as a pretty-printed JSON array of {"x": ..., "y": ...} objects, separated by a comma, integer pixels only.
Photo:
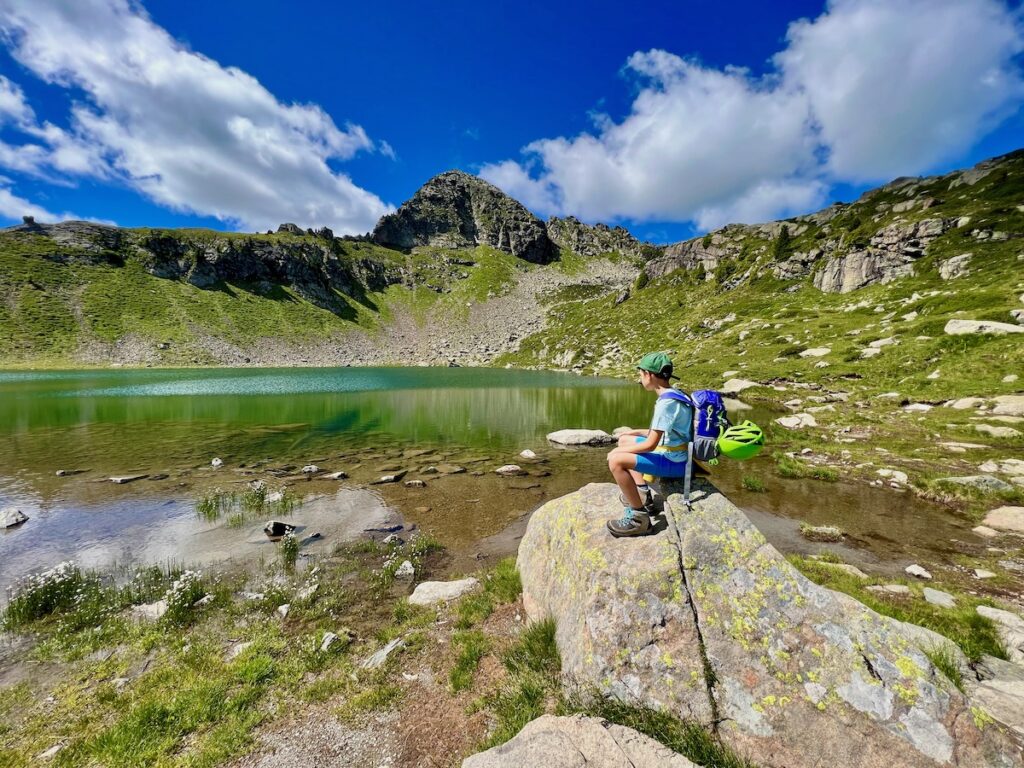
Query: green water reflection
[{"x": 151, "y": 418}]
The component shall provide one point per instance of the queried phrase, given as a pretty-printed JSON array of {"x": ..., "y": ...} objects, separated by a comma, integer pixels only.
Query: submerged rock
[
  {"x": 800, "y": 675},
  {"x": 576, "y": 741}
]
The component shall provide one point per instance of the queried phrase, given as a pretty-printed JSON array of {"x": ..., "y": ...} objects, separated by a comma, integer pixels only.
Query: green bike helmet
[{"x": 742, "y": 441}]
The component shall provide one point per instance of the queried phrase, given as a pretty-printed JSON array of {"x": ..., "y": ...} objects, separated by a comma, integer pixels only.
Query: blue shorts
[{"x": 658, "y": 464}]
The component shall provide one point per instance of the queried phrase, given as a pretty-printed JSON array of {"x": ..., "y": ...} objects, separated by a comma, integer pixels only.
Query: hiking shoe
[
  {"x": 647, "y": 501},
  {"x": 634, "y": 522}
]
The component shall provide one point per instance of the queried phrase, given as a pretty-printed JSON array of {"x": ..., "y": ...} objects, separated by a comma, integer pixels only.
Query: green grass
[
  {"x": 754, "y": 484},
  {"x": 535, "y": 652},
  {"x": 503, "y": 583},
  {"x": 976, "y": 635},
  {"x": 685, "y": 738},
  {"x": 470, "y": 646},
  {"x": 532, "y": 686}
]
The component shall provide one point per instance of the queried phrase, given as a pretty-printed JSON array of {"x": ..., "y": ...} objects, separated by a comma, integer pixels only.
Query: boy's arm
[{"x": 648, "y": 445}]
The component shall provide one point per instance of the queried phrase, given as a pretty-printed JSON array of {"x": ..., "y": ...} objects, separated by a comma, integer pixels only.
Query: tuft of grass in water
[
  {"x": 289, "y": 550},
  {"x": 787, "y": 467},
  {"x": 255, "y": 501},
  {"x": 503, "y": 583},
  {"x": 472, "y": 645},
  {"x": 536, "y": 651},
  {"x": 976, "y": 635},
  {"x": 946, "y": 663},
  {"x": 214, "y": 504},
  {"x": 686, "y": 738},
  {"x": 753, "y": 484}
]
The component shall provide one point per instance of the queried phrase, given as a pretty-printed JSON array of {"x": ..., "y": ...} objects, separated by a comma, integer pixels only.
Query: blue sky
[{"x": 667, "y": 117}]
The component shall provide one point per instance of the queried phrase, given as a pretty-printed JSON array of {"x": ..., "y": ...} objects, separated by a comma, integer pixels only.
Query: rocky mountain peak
[{"x": 458, "y": 210}]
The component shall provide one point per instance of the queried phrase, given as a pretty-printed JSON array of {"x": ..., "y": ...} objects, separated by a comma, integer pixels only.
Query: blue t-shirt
[{"x": 675, "y": 420}]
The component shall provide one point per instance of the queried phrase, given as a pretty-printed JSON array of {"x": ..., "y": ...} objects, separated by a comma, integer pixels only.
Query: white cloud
[
  {"x": 896, "y": 87},
  {"x": 869, "y": 90},
  {"x": 189, "y": 133},
  {"x": 13, "y": 107},
  {"x": 13, "y": 207}
]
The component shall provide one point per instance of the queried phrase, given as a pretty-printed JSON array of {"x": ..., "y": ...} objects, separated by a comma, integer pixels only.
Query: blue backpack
[{"x": 709, "y": 420}]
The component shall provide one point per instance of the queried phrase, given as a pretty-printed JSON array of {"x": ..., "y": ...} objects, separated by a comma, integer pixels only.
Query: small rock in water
[
  {"x": 310, "y": 469},
  {"x": 122, "y": 479},
  {"x": 415, "y": 484},
  {"x": 11, "y": 517},
  {"x": 527, "y": 454},
  {"x": 429, "y": 470},
  {"x": 509, "y": 469},
  {"x": 216, "y": 463},
  {"x": 894, "y": 474},
  {"x": 939, "y": 598},
  {"x": 385, "y": 529},
  {"x": 385, "y": 479},
  {"x": 275, "y": 529},
  {"x": 339, "y": 475},
  {"x": 405, "y": 570},
  {"x": 917, "y": 571},
  {"x": 821, "y": 532}
]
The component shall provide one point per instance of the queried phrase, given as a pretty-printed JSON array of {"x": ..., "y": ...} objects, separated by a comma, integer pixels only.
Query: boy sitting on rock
[{"x": 660, "y": 451}]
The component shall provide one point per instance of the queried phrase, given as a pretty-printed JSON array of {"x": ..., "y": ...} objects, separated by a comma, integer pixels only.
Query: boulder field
[{"x": 708, "y": 621}]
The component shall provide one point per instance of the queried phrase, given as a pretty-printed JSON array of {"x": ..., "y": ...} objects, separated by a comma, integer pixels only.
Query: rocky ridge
[{"x": 876, "y": 239}]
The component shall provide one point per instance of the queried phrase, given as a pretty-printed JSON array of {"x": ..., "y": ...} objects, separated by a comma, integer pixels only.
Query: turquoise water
[{"x": 120, "y": 419}]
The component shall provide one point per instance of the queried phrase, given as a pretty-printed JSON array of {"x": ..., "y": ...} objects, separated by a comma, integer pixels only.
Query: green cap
[{"x": 657, "y": 363}]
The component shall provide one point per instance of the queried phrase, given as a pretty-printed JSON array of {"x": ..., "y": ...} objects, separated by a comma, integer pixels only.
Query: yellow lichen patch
[{"x": 981, "y": 718}]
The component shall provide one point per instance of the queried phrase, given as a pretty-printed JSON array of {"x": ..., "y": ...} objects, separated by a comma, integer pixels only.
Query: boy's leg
[{"x": 622, "y": 464}]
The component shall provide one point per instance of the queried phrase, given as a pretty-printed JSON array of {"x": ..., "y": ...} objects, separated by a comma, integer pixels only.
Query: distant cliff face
[
  {"x": 316, "y": 267},
  {"x": 573, "y": 235},
  {"x": 457, "y": 210}
]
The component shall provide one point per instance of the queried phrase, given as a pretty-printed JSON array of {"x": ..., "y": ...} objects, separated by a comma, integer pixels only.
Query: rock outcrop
[
  {"x": 314, "y": 266},
  {"x": 458, "y": 210},
  {"x": 890, "y": 255},
  {"x": 597, "y": 240},
  {"x": 708, "y": 621},
  {"x": 573, "y": 742}
]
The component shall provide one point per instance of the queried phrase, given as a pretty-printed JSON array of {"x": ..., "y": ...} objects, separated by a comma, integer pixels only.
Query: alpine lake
[{"x": 64, "y": 435}]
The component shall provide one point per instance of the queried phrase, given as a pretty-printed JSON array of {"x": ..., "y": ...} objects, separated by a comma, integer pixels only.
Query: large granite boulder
[
  {"x": 707, "y": 620},
  {"x": 458, "y": 210},
  {"x": 575, "y": 742}
]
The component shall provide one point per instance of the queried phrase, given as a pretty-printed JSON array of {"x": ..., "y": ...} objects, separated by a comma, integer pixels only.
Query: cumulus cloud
[
  {"x": 182, "y": 129},
  {"x": 14, "y": 207},
  {"x": 869, "y": 90}
]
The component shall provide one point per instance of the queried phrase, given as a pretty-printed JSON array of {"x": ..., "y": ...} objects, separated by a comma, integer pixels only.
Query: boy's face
[{"x": 647, "y": 380}]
